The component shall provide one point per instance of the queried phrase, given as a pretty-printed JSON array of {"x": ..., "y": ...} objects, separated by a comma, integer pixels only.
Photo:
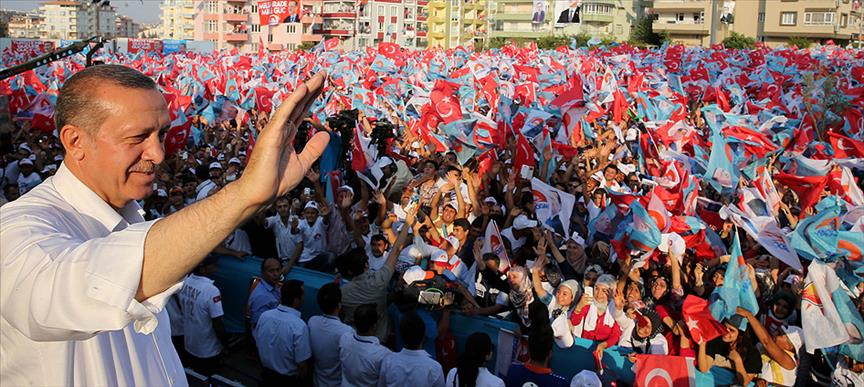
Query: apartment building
[
  {"x": 367, "y": 24},
  {"x": 235, "y": 24},
  {"x": 72, "y": 20},
  {"x": 770, "y": 21},
  {"x": 177, "y": 19},
  {"x": 529, "y": 19},
  {"x": 25, "y": 25},
  {"x": 126, "y": 27},
  {"x": 452, "y": 23}
]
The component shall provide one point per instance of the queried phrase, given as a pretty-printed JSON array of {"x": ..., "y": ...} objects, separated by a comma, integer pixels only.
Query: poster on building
[
  {"x": 727, "y": 14},
  {"x": 30, "y": 47},
  {"x": 567, "y": 12},
  {"x": 538, "y": 11},
  {"x": 273, "y": 12},
  {"x": 171, "y": 46},
  {"x": 146, "y": 45}
]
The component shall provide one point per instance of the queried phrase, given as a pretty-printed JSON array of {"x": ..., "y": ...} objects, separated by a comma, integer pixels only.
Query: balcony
[
  {"x": 235, "y": 17},
  {"x": 236, "y": 37},
  {"x": 312, "y": 20},
  {"x": 274, "y": 47},
  {"x": 518, "y": 34},
  {"x": 438, "y": 19},
  {"x": 421, "y": 34},
  {"x": 211, "y": 36},
  {"x": 680, "y": 5},
  {"x": 597, "y": 17},
  {"x": 512, "y": 17},
  {"x": 338, "y": 15},
  {"x": 437, "y": 4},
  {"x": 682, "y": 28},
  {"x": 310, "y": 38},
  {"x": 343, "y": 32},
  {"x": 211, "y": 16}
]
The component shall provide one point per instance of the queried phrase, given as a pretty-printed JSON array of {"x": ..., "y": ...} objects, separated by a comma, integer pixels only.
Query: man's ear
[{"x": 73, "y": 137}]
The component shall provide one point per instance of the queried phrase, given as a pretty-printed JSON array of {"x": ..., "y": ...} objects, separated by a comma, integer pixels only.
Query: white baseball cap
[
  {"x": 235, "y": 160},
  {"x": 453, "y": 241},
  {"x": 215, "y": 165},
  {"x": 440, "y": 257},
  {"x": 795, "y": 335},
  {"x": 577, "y": 238},
  {"x": 25, "y": 161},
  {"x": 522, "y": 222},
  {"x": 416, "y": 273},
  {"x": 586, "y": 378},
  {"x": 311, "y": 204}
]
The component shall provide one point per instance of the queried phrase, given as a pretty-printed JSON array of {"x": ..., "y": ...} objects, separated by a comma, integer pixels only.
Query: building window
[
  {"x": 212, "y": 26},
  {"x": 761, "y": 17},
  {"x": 254, "y": 46},
  {"x": 844, "y": 19},
  {"x": 679, "y": 17},
  {"x": 291, "y": 46},
  {"x": 819, "y": 18},
  {"x": 380, "y": 10},
  {"x": 697, "y": 17},
  {"x": 269, "y": 38},
  {"x": 788, "y": 18},
  {"x": 256, "y": 28},
  {"x": 393, "y": 10},
  {"x": 291, "y": 28},
  {"x": 212, "y": 6}
]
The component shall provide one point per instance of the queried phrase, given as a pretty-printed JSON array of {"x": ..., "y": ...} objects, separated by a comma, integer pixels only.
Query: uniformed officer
[
  {"x": 201, "y": 303},
  {"x": 283, "y": 340}
]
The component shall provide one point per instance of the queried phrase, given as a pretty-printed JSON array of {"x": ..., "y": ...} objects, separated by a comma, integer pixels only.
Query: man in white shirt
[
  {"x": 412, "y": 366},
  {"x": 361, "y": 353},
  {"x": 203, "y": 189},
  {"x": 27, "y": 178},
  {"x": 266, "y": 294},
  {"x": 281, "y": 224},
  {"x": 283, "y": 340},
  {"x": 201, "y": 304},
  {"x": 313, "y": 231},
  {"x": 85, "y": 279},
  {"x": 325, "y": 331}
]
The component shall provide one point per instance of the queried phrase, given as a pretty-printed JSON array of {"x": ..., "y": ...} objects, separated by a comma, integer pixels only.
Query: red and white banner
[
  {"x": 31, "y": 47},
  {"x": 273, "y": 12},
  {"x": 146, "y": 45}
]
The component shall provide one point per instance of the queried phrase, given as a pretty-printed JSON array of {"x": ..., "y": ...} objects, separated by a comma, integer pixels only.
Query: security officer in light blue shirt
[
  {"x": 283, "y": 340},
  {"x": 266, "y": 294}
]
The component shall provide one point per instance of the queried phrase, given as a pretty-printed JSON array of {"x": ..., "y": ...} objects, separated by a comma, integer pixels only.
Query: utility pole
[{"x": 714, "y": 4}]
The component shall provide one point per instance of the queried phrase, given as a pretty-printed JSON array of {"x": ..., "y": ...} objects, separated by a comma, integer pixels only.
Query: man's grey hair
[{"x": 76, "y": 104}]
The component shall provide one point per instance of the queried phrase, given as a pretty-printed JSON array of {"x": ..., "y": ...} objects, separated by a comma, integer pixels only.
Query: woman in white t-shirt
[{"x": 470, "y": 371}]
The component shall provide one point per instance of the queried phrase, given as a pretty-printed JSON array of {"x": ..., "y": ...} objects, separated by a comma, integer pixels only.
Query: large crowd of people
[{"x": 692, "y": 203}]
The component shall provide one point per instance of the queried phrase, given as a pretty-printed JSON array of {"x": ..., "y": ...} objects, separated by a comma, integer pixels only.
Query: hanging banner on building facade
[
  {"x": 31, "y": 48},
  {"x": 146, "y": 45},
  {"x": 172, "y": 46},
  {"x": 538, "y": 11},
  {"x": 567, "y": 12},
  {"x": 273, "y": 12}
]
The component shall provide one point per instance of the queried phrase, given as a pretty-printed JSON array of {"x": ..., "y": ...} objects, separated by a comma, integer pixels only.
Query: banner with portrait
[
  {"x": 538, "y": 11},
  {"x": 30, "y": 47},
  {"x": 567, "y": 12},
  {"x": 273, "y": 12}
]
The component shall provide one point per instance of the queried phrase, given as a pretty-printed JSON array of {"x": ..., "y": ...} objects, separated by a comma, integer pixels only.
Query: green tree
[
  {"x": 552, "y": 42},
  {"x": 581, "y": 40},
  {"x": 800, "y": 42},
  {"x": 643, "y": 33},
  {"x": 739, "y": 41},
  {"x": 305, "y": 46}
]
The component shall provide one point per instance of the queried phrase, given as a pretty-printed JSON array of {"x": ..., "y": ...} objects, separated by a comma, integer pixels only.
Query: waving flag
[
  {"x": 823, "y": 322},
  {"x": 665, "y": 371},
  {"x": 737, "y": 290},
  {"x": 493, "y": 243},
  {"x": 721, "y": 171},
  {"x": 178, "y": 134},
  {"x": 362, "y": 154},
  {"x": 808, "y": 188},
  {"x": 701, "y": 325},
  {"x": 552, "y": 206},
  {"x": 644, "y": 234}
]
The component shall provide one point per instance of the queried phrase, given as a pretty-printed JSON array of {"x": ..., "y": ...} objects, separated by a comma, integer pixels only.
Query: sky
[{"x": 142, "y": 11}]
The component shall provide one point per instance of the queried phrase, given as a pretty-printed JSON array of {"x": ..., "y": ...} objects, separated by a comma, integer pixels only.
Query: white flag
[
  {"x": 493, "y": 243},
  {"x": 820, "y": 319},
  {"x": 553, "y": 207}
]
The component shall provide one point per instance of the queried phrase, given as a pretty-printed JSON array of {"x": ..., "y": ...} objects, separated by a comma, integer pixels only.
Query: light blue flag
[
  {"x": 644, "y": 234},
  {"x": 737, "y": 290},
  {"x": 721, "y": 171}
]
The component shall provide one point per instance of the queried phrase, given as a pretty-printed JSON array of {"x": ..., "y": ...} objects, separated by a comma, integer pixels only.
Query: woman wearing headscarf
[
  {"x": 592, "y": 319},
  {"x": 521, "y": 295},
  {"x": 645, "y": 336}
]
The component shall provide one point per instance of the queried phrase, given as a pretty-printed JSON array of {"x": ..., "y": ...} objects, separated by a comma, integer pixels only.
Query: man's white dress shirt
[
  {"x": 361, "y": 358},
  {"x": 286, "y": 242},
  {"x": 283, "y": 340},
  {"x": 71, "y": 268},
  {"x": 484, "y": 378},
  {"x": 324, "y": 334},
  {"x": 410, "y": 367}
]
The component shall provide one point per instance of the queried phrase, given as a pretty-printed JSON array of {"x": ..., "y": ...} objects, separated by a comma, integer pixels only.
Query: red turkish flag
[
  {"x": 619, "y": 106},
  {"x": 179, "y": 133},
  {"x": 43, "y": 123},
  {"x": 665, "y": 371},
  {"x": 445, "y": 104},
  {"x": 263, "y": 99},
  {"x": 808, "y": 188},
  {"x": 389, "y": 50},
  {"x": 702, "y": 326},
  {"x": 524, "y": 154},
  {"x": 845, "y": 147}
]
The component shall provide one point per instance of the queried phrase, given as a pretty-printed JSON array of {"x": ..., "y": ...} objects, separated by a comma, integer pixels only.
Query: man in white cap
[
  {"x": 27, "y": 177},
  {"x": 313, "y": 233},
  {"x": 517, "y": 234},
  {"x": 206, "y": 186}
]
